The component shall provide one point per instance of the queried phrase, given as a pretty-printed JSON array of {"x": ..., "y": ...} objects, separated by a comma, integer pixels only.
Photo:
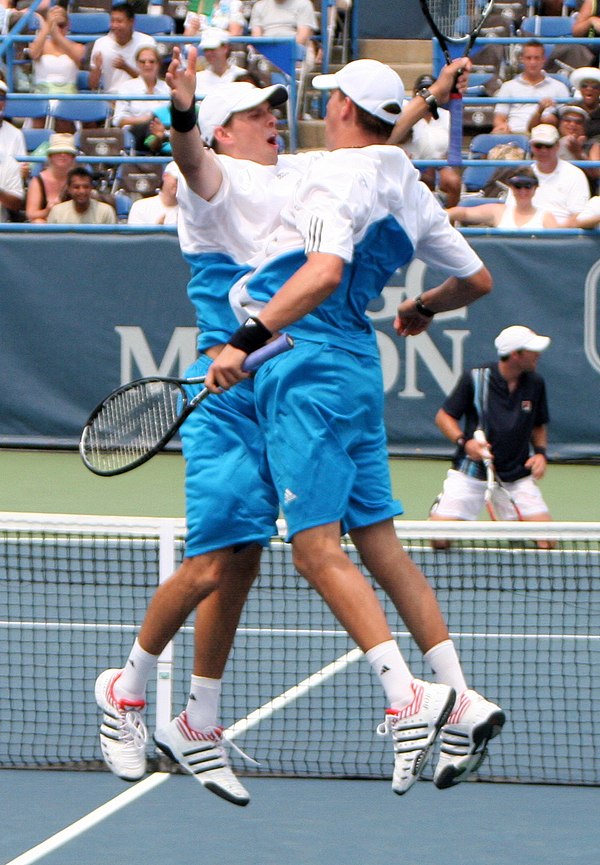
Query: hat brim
[
  {"x": 325, "y": 82},
  {"x": 53, "y": 150},
  {"x": 537, "y": 343}
]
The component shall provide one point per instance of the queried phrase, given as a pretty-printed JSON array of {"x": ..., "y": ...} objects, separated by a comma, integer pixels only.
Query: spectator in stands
[
  {"x": 587, "y": 82},
  {"x": 220, "y": 69},
  {"x": 49, "y": 187},
  {"x": 81, "y": 208},
  {"x": 429, "y": 140},
  {"x": 533, "y": 83},
  {"x": 522, "y": 214},
  {"x": 11, "y": 188},
  {"x": 574, "y": 143},
  {"x": 587, "y": 23},
  {"x": 563, "y": 188},
  {"x": 515, "y": 426},
  {"x": 137, "y": 114},
  {"x": 225, "y": 15},
  {"x": 112, "y": 60},
  {"x": 589, "y": 216},
  {"x": 12, "y": 140},
  {"x": 158, "y": 209},
  {"x": 291, "y": 18},
  {"x": 56, "y": 61}
]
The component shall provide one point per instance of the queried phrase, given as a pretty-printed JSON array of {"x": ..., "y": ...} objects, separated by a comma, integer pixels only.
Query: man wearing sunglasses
[{"x": 563, "y": 188}]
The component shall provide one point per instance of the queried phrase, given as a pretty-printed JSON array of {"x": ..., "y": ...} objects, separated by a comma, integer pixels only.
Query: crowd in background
[{"x": 559, "y": 126}]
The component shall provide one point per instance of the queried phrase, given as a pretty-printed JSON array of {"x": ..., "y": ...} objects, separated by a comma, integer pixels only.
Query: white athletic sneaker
[
  {"x": 123, "y": 734},
  {"x": 202, "y": 754},
  {"x": 464, "y": 738},
  {"x": 414, "y": 730}
]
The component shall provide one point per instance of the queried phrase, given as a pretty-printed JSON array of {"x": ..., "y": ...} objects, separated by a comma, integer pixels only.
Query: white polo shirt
[
  {"x": 519, "y": 114},
  {"x": 116, "y": 80}
]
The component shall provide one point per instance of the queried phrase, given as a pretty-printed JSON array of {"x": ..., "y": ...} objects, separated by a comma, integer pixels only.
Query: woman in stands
[
  {"x": 523, "y": 214},
  {"x": 56, "y": 60},
  {"x": 49, "y": 187},
  {"x": 137, "y": 114}
]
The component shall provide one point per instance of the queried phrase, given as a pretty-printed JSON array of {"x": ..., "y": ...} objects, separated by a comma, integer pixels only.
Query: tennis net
[{"x": 297, "y": 695}]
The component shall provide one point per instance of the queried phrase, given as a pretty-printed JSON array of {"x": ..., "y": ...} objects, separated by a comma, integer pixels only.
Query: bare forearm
[{"x": 304, "y": 291}]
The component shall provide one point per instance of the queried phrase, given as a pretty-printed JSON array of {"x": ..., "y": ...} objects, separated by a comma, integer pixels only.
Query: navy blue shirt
[{"x": 510, "y": 420}]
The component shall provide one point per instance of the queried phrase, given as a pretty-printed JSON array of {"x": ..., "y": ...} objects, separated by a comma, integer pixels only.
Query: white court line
[
  {"x": 91, "y": 819},
  {"x": 143, "y": 787}
]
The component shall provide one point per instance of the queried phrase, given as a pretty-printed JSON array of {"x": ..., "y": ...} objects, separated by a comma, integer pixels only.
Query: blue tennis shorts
[
  {"x": 321, "y": 412},
  {"x": 230, "y": 498}
]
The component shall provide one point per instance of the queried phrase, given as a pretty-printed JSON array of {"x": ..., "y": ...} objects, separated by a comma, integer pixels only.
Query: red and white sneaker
[
  {"x": 123, "y": 734},
  {"x": 202, "y": 754},
  {"x": 414, "y": 729},
  {"x": 464, "y": 738}
]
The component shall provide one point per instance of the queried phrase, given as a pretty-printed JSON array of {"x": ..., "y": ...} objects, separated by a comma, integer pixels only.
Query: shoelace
[
  {"x": 216, "y": 734},
  {"x": 133, "y": 728}
]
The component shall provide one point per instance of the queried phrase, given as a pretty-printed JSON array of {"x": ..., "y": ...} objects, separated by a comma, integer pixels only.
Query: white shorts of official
[{"x": 462, "y": 498}]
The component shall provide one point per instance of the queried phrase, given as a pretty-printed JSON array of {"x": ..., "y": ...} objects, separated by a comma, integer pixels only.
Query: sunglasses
[
  {"x": 523, "y": 184},
  {"x": 542, "y": 146}
]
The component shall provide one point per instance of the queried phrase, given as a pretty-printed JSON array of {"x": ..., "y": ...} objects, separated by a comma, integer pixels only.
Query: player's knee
[{"x": 201, "y": 574}]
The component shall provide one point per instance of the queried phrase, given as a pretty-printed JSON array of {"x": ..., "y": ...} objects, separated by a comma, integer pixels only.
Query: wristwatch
[
  {"x": 422, "y": 309},
  {"x": 430, "y": 100}
]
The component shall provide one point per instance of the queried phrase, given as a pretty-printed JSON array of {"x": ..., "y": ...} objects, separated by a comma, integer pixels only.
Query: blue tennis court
[
  {"x": 300, "y": 699},
  {"x": 295, "y": 822}
]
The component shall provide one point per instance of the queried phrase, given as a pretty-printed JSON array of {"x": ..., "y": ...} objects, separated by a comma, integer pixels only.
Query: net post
[{"x": 164, "y": 668}]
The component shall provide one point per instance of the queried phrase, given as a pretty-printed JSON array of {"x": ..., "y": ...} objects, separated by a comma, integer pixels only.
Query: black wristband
[
  {"x": 540, "y": 450},
  {"x": 250, "y": 336},
  {"x": 422, "y": 309},
  {"x": 183, "y": 121}
]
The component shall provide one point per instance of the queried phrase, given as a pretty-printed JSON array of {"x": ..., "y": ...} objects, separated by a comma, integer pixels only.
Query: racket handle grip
[
  {"x": 479, "y": 436},
  {"x": 456, "y": 130},
  {"x": 271, "y": 349}
]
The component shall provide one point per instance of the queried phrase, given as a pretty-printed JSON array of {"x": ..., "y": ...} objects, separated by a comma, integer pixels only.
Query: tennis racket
[
  {"x": 456, "y": 22},
  {"x": 498, "y": 501},
  {"x": 137, "y": 420}
]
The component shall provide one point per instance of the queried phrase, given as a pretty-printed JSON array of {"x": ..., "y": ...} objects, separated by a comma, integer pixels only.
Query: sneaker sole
[
  {"x": 426, "y": 752},
  {"x": 451, "y": 776},
  {"x": 208, "y": 785}
]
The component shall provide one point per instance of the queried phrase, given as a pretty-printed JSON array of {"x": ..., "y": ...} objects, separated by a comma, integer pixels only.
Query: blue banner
[{"x": 82, "y": 314}]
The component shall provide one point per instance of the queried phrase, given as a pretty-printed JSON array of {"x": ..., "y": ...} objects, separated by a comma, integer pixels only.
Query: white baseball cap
[
  {"x": 217, "y": 107},
  {"x": 517, "y": 337},
  {"x": 370, "y": 84},
  {"x": 213, "y": 37},
  {"x": 545, "y": 133}
]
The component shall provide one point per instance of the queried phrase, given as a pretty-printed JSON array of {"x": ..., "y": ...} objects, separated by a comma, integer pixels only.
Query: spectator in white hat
[
  {"x": 509, "y": 404},
  {"x": 586, "y": 84},
  {"x": 563, "y": 188},
  {"x": 219, "y": 69}
]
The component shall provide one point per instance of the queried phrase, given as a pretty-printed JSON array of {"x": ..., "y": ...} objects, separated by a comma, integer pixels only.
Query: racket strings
[
  {"x": 456, "y": 18},
  {"x": 131, "y": 423}
]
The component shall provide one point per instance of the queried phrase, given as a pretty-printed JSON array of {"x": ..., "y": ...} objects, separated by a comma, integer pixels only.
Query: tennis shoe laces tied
[
  {"x": 414, "y": 729},
  {"x": 123, "y": 734},
  {"x": 202, "y": 754},
  {"x": 464, "y": 738}
]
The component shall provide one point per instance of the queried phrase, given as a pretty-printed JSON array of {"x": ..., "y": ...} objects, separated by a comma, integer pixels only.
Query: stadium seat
[
  {"x": 154, "y": 25},
  {"x": 475, "y": 177},
  {"x": 139, "y": 180},
  {"x": 81, "y": 110},
  {"x": 88, "y": 23},
  {"x": 23, "y": 108}
]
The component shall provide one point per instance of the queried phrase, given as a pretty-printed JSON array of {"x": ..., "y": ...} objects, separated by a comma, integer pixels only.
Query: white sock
[
  {"x": 387, "y": 661},
  {"x": 445, "y": 666},
  {"x": 131, "y": 684},
  {"x": 203, "y": 703}
]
